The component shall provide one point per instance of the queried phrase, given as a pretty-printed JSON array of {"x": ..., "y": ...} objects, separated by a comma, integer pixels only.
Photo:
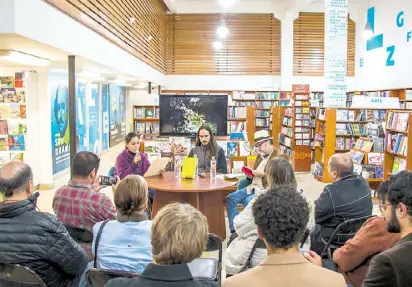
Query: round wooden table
[{"x": 205, "y": 195}]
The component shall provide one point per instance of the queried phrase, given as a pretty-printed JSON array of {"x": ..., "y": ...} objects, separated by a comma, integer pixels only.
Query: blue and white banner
[
  {"x": 105, "y": 116},
  {"x": 94, "y": 121},
  {"x": 335, "y": 60},
  {"x": 117, "y": 96}
]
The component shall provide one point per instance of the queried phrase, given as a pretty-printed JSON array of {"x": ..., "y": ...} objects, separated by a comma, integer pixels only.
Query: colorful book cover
[
  {"x": 16, "y": 142},
  {"x": 16, "y": 156},
  {"x": 23, "y": 111},
  {"x": 5, "y": 112},
  {"x": 22, "y": 129},
  {"x": 4, "y": 129},
  {"x": 13, "y": 128},
  {"x": 232, "y": 148},
  {"x": 21, "y": 96},
  {"x": 14, "y": 111},
  {"x": 375, "y": 158},
  {"x": 18, "y": 80},
  {"x": 150, "y": 147},
  {"x": 379, "y": 171},
  {"x": 357, "y": 168},
  {"x": 140, "y": 113},
  {"x": 9, "y": 95},
  {"x": 6, "y": 82},
  {"x": 149, "y": 113},
  {"x": 4, "y": 145}
]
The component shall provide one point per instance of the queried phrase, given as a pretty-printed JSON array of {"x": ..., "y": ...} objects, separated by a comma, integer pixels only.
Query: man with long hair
[{"x": 206, "y": 148}]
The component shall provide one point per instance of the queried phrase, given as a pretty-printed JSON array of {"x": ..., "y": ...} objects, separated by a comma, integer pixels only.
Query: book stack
[
  {"x": 397, "y": 144},
  {"x": 267, "y": 96}
]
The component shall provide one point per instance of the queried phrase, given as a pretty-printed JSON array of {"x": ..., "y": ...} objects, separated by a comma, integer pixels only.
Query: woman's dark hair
[
  {"x": 282, "y": 215},
  {"x": 279, "y": 171},
  {"x": 129, "y": 137},
  {"x": 212, "y": 146}
]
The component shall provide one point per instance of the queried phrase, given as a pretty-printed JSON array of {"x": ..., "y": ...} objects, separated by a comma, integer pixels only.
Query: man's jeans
[{"x": 233, "y": 199}]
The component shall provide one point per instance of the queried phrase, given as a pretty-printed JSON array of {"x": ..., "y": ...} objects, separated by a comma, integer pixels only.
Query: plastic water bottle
[
  {"x": 197, "y": 167},
  {"x": 178, "y": 167},
  {"x": 213, "y": 169}
]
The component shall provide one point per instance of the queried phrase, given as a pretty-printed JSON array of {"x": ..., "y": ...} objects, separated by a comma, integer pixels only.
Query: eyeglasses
[{"x": 382, "y": 207}]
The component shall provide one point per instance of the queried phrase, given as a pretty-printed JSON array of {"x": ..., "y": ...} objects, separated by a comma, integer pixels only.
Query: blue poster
[
  {"x": 117, "y": 95},
  {"x": 94, "y": 127},
  {"x": 60, "y": 127},
  {"x": 81, "y": 117},
  {"x": 105, "y": 116}
]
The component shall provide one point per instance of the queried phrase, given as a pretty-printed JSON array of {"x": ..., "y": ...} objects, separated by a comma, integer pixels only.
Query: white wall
[
  {"x": 7, "y": 16},
  {"x": 375, "y": 73}
]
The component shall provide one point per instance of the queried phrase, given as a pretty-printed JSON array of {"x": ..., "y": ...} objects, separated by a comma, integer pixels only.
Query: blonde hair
[
  {"x": 179, "y": 234},
  {"x": 131, "y": 195}
]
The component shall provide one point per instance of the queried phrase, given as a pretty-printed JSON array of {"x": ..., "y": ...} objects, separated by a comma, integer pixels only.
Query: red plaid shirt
[{"x": 78, "y": 204}]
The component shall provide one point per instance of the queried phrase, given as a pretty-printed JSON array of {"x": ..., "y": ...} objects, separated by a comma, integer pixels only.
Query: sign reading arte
[{"x": 375, "y": 102}]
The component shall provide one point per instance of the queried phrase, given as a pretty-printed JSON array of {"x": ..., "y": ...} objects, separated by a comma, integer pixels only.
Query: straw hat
[{"x": 261, "y": 136}]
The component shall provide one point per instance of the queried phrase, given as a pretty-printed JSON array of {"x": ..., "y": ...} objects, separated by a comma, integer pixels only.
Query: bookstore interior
[{"x": 312, "y": 106}]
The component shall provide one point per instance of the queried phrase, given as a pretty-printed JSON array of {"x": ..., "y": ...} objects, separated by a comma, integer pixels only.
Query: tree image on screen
[{"x": 184, "y": 115}]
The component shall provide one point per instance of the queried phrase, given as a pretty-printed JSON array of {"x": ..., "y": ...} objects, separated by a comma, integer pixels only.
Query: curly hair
[
  {"x": 383, "y": 188},
  {"x": 400, "y": 190},
  {"x": 282, "y": 215}
]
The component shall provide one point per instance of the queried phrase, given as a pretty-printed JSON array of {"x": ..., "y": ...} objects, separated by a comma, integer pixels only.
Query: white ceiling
[{"x": 58, "y": 58}]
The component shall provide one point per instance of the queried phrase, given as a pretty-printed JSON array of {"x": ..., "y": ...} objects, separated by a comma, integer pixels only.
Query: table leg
[{"x": 209, "y": 203}]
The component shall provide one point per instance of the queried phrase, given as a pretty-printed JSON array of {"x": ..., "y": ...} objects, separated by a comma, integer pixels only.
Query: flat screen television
[{"x": 182, "y": 115}]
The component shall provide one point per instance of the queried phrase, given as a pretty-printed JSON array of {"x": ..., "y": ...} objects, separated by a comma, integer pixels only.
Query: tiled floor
[{"x": 312, "y": 188}]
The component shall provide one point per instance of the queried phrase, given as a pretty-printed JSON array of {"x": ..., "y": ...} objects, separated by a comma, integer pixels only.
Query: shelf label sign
[{"x": 375, "y": 102}]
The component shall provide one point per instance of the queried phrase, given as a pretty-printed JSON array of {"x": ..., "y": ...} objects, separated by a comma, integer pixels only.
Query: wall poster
[
  {"x": 117, "y": 96},
  {"x": 93, "y": 114}
]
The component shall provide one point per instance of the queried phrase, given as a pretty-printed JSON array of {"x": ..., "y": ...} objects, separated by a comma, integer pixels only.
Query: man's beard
[
  {"x": 205, "y": 143},
  {"x": 394, "y": 225}
]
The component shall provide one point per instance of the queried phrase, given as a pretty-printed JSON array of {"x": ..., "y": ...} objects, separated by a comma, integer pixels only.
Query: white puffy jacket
[{"x": 239, "y": 249}]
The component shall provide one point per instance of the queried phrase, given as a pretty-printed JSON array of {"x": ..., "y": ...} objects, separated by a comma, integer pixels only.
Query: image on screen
[{"x": 183, "y": 115}]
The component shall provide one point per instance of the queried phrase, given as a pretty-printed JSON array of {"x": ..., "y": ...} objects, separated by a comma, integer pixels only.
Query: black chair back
[
  {"x": 99, "y": 277},
  {"x": 345, "y": 231},
  {"x": 14, "y": 275},
  {"x": 80, "y": 235}
]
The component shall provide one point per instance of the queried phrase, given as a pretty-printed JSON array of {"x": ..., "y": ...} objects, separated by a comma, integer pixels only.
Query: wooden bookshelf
[
  {"x": 276, "y": 123},
  {"x": 147, "y": 115},
  {"x": 326, "y": 128},
  {"x": 294, "y": 136},
  {"x": 390, "y": 155},
  {"x": 331, "y": 138},
  {"x": 250, "y": 124}
]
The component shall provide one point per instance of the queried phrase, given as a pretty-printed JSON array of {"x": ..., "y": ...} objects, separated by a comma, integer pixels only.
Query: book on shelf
[
  {"x": 317, "y": 169},
  {"x": 397, "y": 143},
  {"x": 285, "y": 140},
  {"x": 344, "y": 143},
  {"x": 265, "y": 105},
  {"x": 140, "y": 113},
  {"x": 287, "y": 131},
  {"x": 357, "y": 168},
  {"x": 4, "y": 128},
  {"x": 267, "y": 95},
  {"x": 357, "y": 156},
  {"x": 321, "y": 114},
  {"x": 287, "y": 151},
  {"x": 398, "y": 121},
  {"x": 232, "y": 148},
  {"x": 260, "y": 113},
  {"x": 149, "y": 113},
  {"x": 157, "y": 112},
  {"x": 237, "y": 112},
  {"x": 399, "y": 164},
  {"x": 408, "y": 95},
  {"x": 287, "y": 121},
  {"x": 375, "y": 158},
  {"x": 236, "y": 127},
  {"x": 16, "y": 142},
  {"x": 288, "y": 112},
  {"x": 262, "y": 122},
  {"x": 285, "y": 96}
]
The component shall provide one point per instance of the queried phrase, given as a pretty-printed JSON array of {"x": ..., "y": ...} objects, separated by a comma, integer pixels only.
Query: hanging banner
[
  {"x": 93, "y": 114},
  {"x": 60, "y": 127},
  {"x": 335, "y": 57},
  {"x": 105, "y": 116},
  {"x": 81, "y": 117},
  {"x": 117, "y": 96}
]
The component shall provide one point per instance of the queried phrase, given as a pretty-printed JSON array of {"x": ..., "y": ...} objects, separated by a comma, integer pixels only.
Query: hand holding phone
[{"x": 107, "y": 180}]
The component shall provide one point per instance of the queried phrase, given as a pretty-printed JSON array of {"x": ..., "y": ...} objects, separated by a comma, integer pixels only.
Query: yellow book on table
[{"x": 189, "y": 167}]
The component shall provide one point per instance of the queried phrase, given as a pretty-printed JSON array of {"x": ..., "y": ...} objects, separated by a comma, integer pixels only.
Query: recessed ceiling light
[
  {"x": 132, "y": 20},
  {"x": 227, "y": 3},
  {"x": 222, "y": 31},
  {"x": 217, "y": 45}
]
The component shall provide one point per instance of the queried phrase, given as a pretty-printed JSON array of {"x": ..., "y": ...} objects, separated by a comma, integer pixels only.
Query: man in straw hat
[{"x": 265, "y": 150}]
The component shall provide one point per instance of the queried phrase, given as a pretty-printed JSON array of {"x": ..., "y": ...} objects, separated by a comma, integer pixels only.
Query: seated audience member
[
  {"x": 353, "y": 258},
  {"x": 281, "y": 215},
  {"x": 131, "y": 160},
  {"x": 205, "y": 148},
  {"x": 79, "y": 204},
  {"x": 266, "y": 151},
  {"x": 179, "y": 235},
  {"x": 125, "y": 242},
  {"x": 32, "y": 238},
  {"x": 279, "y": 172},
  {"x": 392, "y": 267},
  {"x": 348, "y": 197}
]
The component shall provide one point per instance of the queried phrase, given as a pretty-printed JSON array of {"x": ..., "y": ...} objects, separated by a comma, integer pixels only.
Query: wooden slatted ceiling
[
  {"x": 252, "y": 47},
  {"x": 309, "y": 42},
  {"x": 110, "y": 18}
]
